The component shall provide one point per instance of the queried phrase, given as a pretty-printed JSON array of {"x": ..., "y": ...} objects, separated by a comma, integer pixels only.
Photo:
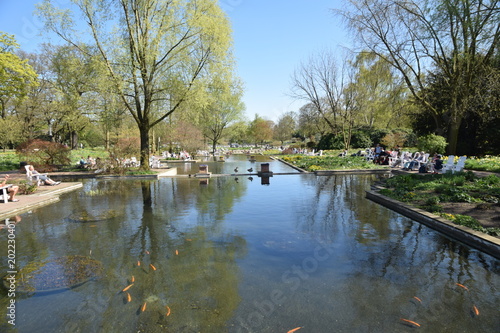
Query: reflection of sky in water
[
  {"x": 243, "y": 163},
  {"x": 304, "y": 251}
]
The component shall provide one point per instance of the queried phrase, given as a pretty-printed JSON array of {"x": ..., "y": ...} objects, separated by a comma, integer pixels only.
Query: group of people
[
  {"x": 406, "y": 160},
  {"x": 89, "y": 162}
]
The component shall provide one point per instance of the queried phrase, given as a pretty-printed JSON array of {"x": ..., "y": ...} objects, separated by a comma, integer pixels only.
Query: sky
[{"x": 271, "y": 39}]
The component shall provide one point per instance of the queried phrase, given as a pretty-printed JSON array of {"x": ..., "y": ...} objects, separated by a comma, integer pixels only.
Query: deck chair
[
  {"x": 459, "y": 166},
  {"x": 34, "y": 179},
  {"x": 423, "y": 161},
  {"x": 370, "y": 155},
  {"x": 449, "y": 164},
  {"x": 393, "y": 158}
]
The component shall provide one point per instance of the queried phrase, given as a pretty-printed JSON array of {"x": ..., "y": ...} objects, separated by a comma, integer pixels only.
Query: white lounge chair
[
  {"x": 34, "y": 177},
  {"x": 449, "y": 164},
  {"x": 459, "y": 166},
  {"x": 423, "y": 160}
]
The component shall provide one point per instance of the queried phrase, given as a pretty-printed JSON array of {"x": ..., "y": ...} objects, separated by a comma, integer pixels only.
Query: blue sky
[{"x": 271, "y": 38}]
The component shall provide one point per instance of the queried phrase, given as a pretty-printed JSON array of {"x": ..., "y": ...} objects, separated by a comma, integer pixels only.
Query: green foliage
[
  {"x": 433, "y": 208},
  {"x": 16, "y": 75},
  {"x": 9, "y": 161},
  {"x": 329, "y": 162},
  {"x": 26, "y": 188},
  {"x": 330, "y": 141},
  {"x": 488, "y": 163},
  {"x": 360, "y": 139},
  {"x": 429, "y": 191},
  {"x": 432, "y": 144},
  {"x": 43, "y": 153}
]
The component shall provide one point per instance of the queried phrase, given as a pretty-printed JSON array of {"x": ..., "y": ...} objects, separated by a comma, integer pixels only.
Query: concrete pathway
[{"x": 43, "y": 196}]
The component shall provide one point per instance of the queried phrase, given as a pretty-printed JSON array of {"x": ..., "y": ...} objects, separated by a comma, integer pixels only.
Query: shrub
[
  {"x": 432, "y": 144},
  {"x": 25, "y": 188},
  {"x": 44, "y": 153},
  {"x": 126, "y": 147},
  {"x": 360, "y": 139},
  {"x": 330, "y": 141}
]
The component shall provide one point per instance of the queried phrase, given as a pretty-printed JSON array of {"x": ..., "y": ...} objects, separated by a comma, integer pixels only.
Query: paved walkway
[{"x": 43, "y": 196}]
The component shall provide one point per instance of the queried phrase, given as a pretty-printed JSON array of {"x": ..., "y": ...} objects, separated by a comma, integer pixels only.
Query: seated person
[
  {"x": 438, "y": 164},
  {"x": 44, "y": 178},
  {"x": 91, "y": 162},
  {"x": 11, "y": 190},
  {"x": 83, "y": 163}
]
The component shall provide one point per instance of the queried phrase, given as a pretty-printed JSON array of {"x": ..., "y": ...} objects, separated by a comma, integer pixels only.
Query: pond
[
  {"x": 183, "y": 255},
  {"x": 245, "y": 163}
]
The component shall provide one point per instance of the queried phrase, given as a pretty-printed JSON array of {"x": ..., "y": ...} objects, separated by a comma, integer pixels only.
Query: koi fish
[
  {"x": 295, "y": 329},
  {"x": 153, "y": 267},
  {"x": 147, "y": 252},
  {"x": 168, "y": 311},
  {"x": 412, "y": 323},
  {"x": 475, "y": 311},
  {"x": 418, "y": 299},
  {"x": 176, "y": 252},
  {"x": 143, "y": 307},
  {"x": 128, "y": 287},
  {"x": 129, "y": 298},
  {"x": 462, "y": 286},
  {"x": 138, "y": 263},
  {"x": 132, "y": 279}
]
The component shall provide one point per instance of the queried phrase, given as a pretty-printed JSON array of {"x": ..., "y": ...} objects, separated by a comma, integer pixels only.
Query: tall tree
[
  {"x": 221, "y": 107},
  {"x": 456, "y": 37},
  {"x": 16, "y": 74},
  {"x": 260, "y": 130},
  {"x": 285, "y": 127},
  {"x": 154, "y": 50},
  {"x": 380, "y": 94},
  {"x": 324, "y": 84}
]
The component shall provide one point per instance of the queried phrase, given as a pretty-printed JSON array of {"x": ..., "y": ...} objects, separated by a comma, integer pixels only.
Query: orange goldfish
[
  {"x": 414, "y": 324},
  {"x": 418, "y": 299},
  {"x": 475, "y": 310},
  {"x": 295, "y": 329},
  {"x": 132, "y": 279},
  {"x": 128, "y": 287},
  {"x": 168, "y": 311},
  {"x": 462, "y": 286},
  {"x": 176, "y": 252},
  {"x": 138, "y": 263},
  {"x": 153, "y": 267},
  {"x": 129, "y": 298},
  {"x": 143, "y": 307}
]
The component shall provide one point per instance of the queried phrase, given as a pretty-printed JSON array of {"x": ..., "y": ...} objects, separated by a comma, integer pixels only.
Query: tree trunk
[
  {"x": 214, "y": 146},
  {"x": 453, "y": 129},
  {"x": 144, "y": 133}
]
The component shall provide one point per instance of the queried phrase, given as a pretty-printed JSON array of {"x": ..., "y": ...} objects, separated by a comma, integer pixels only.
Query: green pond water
[{"x": 237, "y": 256}]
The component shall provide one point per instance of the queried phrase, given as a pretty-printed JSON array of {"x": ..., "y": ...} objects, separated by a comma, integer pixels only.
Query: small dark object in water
[
  {"x": 236, "y": 169},
  {"x": 250, "y": 178},
  {"x": 250, "y": 170}
]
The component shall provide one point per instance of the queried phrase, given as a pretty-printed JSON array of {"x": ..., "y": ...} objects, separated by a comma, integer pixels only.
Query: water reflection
[{"x": 227, "y": 256}]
